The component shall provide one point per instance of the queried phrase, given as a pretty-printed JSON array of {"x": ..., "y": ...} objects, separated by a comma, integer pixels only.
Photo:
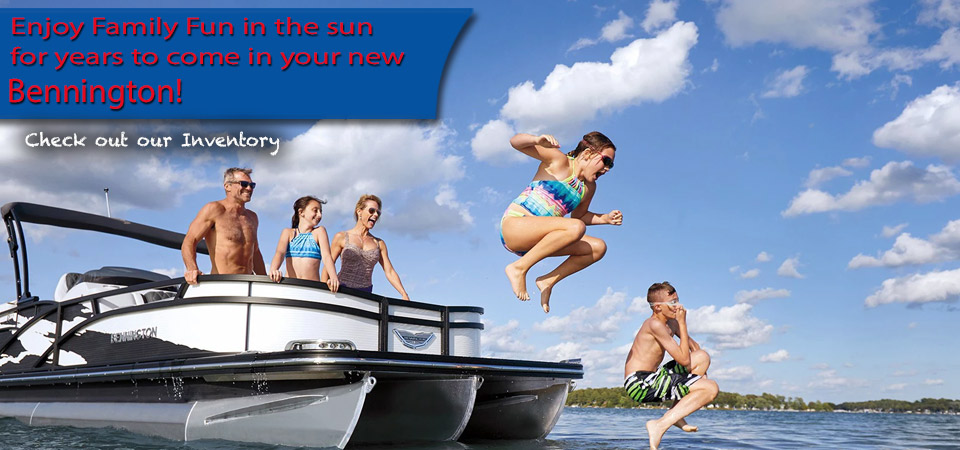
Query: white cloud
[
  {"x": 615, "y": 30},
  {"x": 940, "y": 11},
  {"x": 933, "y": 382},
  {"x": 788, "y": 83},
  {"x": 893, "y": 231},
  {"x": 492, "y": 144},
  {"x": 728, "y": 327},
  {"x": 820, "y": 176},
  {"x": 828, "y": 379},
  {"x": 863, "y": 161},
  {"x": 639, "y": 304},
  {"x": 856, "y": 63},
  {"x": 912, "y": 325},
  {"x": 826, "y": 25},
  {"x": 908, "y": 250},
  {"x": 789, "y": 268},
  {"x": 752, "y": 273},
  {"x": 820, "y": 366},
  {"x": 598, "y": 323},
  {"x": 894, "y": 85},
  {"x": 645, "y": 70},
  {"x": 387, "y": 158},
  {"x": 420, "y": 216},
  {"x": 896, "y": 181},
  {"x": 918, "y": 288},
  {"x": 895, "y": 387},
  {"x": 602, "y": 368},
  {"x": 777, "y": 356},
  {"x": 505, "y": 341},
  {"x": 763, "y": 257},
  {"x": 757, "y": 295},
  {"x": 659, "y": 13},
  {"x": 75, "y": 178},
  {"x": 928, "y": 126},
  {"x": 734, "y": 269},
  {"x": 713, "y": 67},
  {"x": 737, "y": 373}
]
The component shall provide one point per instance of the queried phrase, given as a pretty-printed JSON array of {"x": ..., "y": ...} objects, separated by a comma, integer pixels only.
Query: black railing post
[{"x": 384, "y": 324}]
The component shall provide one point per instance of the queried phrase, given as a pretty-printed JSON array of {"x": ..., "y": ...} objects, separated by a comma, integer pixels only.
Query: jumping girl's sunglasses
[
  {"x": 244, "y": 184},
  {"x": 607, "y": 161}
]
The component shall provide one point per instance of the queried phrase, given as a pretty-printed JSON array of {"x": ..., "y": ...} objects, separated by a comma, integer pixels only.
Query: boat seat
[{"x": 73, "y": 285}]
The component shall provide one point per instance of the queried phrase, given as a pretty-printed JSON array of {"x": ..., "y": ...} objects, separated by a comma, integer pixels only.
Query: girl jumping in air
[
  {"x": 305, "y": 245},
  {"x": 534, "y": 226}
]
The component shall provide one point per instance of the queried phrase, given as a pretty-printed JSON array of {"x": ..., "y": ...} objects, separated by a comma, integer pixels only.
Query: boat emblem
[{"x": 414, "y": 340}]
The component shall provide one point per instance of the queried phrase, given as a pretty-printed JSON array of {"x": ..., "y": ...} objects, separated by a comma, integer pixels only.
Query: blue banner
[{"x": 225, "y": 63}]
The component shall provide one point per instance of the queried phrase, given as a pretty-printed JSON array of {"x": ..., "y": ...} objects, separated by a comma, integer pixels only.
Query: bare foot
[
  {"x": 683, "y": 425},
  {"x": 518, "y": 281},
  {"x": 545, "y": 288},
  {"x": 655, "y": 431}
]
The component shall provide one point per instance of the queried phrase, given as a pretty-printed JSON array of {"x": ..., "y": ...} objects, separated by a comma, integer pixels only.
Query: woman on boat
[
  {"x": 361, "y": 250},
  {"x": 534, "y": 226},
  {"x": 305, "y": 245}
]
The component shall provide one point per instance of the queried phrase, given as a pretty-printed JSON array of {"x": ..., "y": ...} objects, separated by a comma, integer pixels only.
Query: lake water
[{"x": 602, "y": 429}]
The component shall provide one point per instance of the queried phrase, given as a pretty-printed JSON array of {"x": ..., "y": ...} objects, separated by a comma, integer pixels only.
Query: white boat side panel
[
  {"x": 394, "y": 344},
  {"x": 156, "y": 419},
  {"x": 323, "y": 417},
  {"x": 217, "y": 288},
  {"x": 21, "y": 411},
  {"x": 273, "y": 326},
  {"x": 464, "y": 342},
  {"x": 213, "y": 327},
  {"x": 416, "y": 313},
  {"x": 313, "y": 295},
  {"x": 464, "y": 317}
]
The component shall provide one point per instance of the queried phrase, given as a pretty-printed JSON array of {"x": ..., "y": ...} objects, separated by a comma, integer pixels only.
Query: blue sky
[{"x": 789, "y": 166}]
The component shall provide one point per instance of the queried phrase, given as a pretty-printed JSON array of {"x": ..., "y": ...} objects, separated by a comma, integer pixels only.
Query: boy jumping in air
[{"x": 683, "y": 380}]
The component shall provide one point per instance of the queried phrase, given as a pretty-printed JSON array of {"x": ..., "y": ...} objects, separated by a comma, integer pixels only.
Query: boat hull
[
  {"x": 531, "y": 407},
  {"x": 319, "y": 417}
]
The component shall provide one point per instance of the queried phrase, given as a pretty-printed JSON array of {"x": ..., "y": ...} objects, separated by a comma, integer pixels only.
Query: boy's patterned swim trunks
[{"x": 670, "y": 382}]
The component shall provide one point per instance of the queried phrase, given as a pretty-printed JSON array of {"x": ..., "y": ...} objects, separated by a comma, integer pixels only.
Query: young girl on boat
[
  {"x": 534, "y": 226},
  {"x": 305, "y": 245},
  {"x": 361, "y": 250}
]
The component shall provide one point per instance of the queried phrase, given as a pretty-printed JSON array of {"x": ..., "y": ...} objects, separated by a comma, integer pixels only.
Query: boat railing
[{"x": 96, "y": 306}]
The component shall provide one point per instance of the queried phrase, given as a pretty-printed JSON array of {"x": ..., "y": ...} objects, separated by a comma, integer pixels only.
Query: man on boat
[
  {"x": 683, "y": 380},
  {"x": 230, "y": 230}
]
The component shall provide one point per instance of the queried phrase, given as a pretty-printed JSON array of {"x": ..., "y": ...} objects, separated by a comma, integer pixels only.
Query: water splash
[{"x": 260, "y": 383}]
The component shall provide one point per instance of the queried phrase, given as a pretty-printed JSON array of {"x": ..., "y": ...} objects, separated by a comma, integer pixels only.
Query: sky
[{"x": 791, "y": 167}]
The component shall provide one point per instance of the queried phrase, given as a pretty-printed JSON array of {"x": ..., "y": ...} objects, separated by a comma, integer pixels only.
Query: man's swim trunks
[{"x": 670, "y": 382}]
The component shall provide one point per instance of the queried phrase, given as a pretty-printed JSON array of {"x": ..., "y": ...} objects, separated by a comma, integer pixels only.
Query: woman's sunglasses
[{"x": 372, "y": 210}]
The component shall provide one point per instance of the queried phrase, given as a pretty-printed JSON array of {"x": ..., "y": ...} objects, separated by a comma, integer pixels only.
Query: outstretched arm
[
  {"x": 278, "y": 256},
  {"x": 583, "y": 213},
  {"x": 330, "y": 265},
  {"x": 320, "y": 234},
  {"x": 389, "y": 271},
  {"x": 198, "y": 229}
]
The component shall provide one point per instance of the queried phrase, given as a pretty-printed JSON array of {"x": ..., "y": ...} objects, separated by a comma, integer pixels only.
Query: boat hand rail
[{"x": 383, "y": 317}]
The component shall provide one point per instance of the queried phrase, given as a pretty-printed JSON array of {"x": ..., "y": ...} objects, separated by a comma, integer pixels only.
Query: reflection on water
[{"x": 603, "y": 429}]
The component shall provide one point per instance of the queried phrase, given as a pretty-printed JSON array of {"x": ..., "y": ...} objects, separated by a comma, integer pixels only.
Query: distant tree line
[{"x": 617, "y": 398}]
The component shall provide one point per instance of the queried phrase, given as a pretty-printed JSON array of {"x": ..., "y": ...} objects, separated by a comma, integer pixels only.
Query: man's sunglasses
[
  {"x": 244, "y": 184},
  {"x": 607, "y": 161}
]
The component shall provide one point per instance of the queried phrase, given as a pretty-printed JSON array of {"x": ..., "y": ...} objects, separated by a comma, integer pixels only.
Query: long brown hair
[
  {"x": 302, "y": 203},
  {"x": 595, "y": 141}
]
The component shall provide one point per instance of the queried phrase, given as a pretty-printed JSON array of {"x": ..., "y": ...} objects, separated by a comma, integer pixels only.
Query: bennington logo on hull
[
  {"x": 414, "y": 340},
  {"x": 133, "y": 335}
]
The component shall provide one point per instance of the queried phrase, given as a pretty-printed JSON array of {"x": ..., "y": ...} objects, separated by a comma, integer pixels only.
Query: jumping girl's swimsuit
[
  {"x": 356, "y": 268},
  {"x": 547, "y": 198},
  {"x": 303, "y": 245}
]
